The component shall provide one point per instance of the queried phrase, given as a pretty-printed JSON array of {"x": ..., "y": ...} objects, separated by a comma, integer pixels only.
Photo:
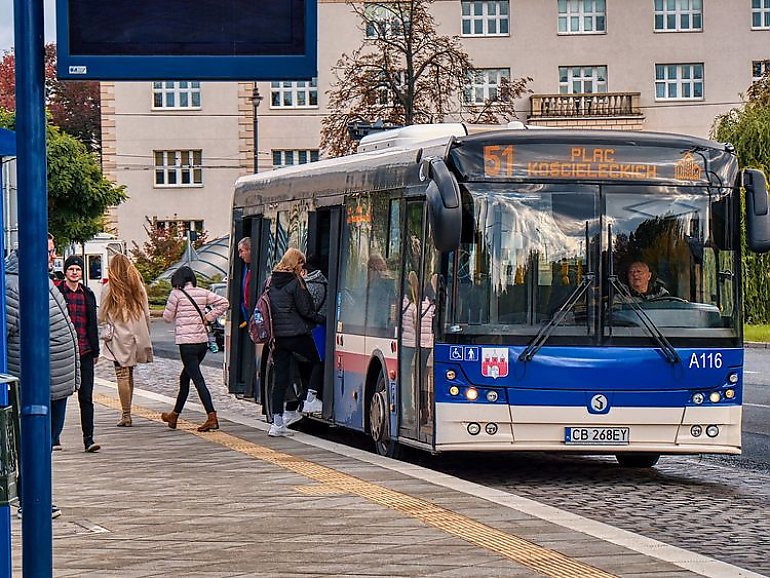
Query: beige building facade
[{"x": 655, "y": 65}]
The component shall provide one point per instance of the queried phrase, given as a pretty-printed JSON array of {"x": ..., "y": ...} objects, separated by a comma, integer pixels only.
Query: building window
[
  {"x": 678, "y": 81},
  {"x": 178, "y": 168},
  {"x": 383, "y": 21},
  {"x": 760, "y": 14},
  {"x": 485, "y": 18},
  {"x": 758, "y": 69},
  {"x": 294, "y": 94},
  {"x": 287, "y": 158},
  {"x": 484, "y": 85},
  {"x": 388, "y": 83},
  {"x": 176, "y": 94},
  {"x": 180, "y": 226},
  {"x": 582, "y": 16},
  {"x": 582, "y": 79},
  {"x": 679, "y": 15}
]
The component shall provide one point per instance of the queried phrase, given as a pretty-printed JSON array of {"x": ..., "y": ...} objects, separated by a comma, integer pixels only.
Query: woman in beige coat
[{"x": 125, "y": 315}]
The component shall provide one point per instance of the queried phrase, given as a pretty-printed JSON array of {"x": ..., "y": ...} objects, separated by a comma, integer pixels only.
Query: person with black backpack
[{"x": 293, "y": 317}]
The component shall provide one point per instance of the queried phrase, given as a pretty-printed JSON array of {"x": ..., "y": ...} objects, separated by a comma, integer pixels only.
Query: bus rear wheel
[
  {"x": 379, "y": 421},
  {"x": 637, "y": 460}
]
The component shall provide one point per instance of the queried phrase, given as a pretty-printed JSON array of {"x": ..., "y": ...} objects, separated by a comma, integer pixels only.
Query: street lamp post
[{"x": 256, "y": 98}]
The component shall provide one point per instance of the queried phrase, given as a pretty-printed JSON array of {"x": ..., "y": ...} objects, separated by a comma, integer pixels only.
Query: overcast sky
[{"x": 6, "y": 22}]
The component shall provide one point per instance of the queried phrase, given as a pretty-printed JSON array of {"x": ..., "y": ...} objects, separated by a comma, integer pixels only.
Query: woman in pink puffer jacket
[{"x": 192, "y": 339}]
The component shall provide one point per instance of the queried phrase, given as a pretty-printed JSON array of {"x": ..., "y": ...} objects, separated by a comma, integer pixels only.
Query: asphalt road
[{"x": 162, "y": 334}]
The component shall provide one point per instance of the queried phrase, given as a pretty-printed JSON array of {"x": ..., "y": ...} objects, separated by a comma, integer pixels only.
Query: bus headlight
[
  {"x": 492, "y": 396},
  {"x": 696, "y": 431},
  {"x": 474, "y": 429},
  {"x": 698, "y": 398},
  {"x": 715, "y": 397},
  {"x": 732, "y": 378},
  {"x": 454, "y": 390},
  {"x": 491, "y": 428},
  {"x": 712, "y": 431},
  {"x": 450, "y": 374},
  {"x": 729, "y": 393},
  {"x": 472, "y": 394}
]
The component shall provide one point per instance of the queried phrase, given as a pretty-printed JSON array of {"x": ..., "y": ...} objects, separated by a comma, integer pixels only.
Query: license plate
[{"x": 597, "y": 436}]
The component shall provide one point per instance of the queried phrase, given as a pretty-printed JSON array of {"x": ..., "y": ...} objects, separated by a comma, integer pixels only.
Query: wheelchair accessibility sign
[{"x": 463, "y": 353}]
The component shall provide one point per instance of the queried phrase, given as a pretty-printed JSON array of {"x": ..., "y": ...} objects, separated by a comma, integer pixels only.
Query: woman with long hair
[
  {"x": 125, "y": 318},
  {"x": 186, "y": 308},
  {"x": 293, "y": 316}
]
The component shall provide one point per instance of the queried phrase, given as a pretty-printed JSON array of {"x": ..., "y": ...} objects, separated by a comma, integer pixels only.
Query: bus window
[
  {"x": 382, "y": 272},
  {"x": 353, "y": 265},
  {"x": 94, "y": 267}
]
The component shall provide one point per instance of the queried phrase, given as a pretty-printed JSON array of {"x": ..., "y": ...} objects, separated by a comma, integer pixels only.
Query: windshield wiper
[
  {"x": 666, "y": 348},
  {"x": 546, "y": 330}
]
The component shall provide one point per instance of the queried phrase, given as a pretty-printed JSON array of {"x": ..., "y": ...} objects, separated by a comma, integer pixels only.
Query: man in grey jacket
[{"x": 65, "y": 361}]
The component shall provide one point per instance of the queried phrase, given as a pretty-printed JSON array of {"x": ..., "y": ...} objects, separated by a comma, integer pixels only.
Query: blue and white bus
[{"x": 479, "y": 284}]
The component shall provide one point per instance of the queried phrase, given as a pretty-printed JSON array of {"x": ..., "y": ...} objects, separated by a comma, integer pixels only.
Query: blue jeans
[{"x": 58, "y": 412}]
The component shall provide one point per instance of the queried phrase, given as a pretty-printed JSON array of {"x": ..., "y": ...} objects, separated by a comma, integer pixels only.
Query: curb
[{"x": 756, "y": 345}]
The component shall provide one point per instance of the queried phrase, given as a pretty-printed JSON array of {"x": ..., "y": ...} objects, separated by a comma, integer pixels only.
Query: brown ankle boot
[
  {"x": 170, "y": 418},
  {"x": 210, "y": 423}
]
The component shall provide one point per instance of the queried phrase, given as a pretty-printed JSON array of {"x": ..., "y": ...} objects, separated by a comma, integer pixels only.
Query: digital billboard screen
[{"x": 174, "y": 39}]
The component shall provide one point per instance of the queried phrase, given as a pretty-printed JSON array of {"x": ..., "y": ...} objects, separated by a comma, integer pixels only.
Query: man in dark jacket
[{"x": 81, "y": 303}]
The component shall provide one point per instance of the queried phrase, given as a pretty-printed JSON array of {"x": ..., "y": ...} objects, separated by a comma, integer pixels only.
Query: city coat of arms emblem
[{"x": 494, "y": 362}]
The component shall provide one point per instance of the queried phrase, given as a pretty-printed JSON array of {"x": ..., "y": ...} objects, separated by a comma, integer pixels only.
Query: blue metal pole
[
  {"x": 5, "y": 511},
  {"x": 37, "y": 538}
]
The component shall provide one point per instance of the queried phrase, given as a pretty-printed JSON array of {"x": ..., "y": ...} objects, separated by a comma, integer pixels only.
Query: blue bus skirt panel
[{"x": 487, "y": 399}]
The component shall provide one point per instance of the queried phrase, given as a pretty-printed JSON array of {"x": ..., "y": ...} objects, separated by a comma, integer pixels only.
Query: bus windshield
[{"x": 528, "y": 248}]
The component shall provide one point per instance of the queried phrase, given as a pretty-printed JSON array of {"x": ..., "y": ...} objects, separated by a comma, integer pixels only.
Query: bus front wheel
[
  {"x": 379, "y": 421},
  {"x": 637, "y": 460}
]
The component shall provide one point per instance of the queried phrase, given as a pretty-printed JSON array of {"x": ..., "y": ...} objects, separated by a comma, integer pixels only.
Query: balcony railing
[{"x": 585, "y": 105}]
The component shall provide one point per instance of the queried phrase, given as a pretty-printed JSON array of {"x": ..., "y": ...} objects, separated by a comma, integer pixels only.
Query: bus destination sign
[{"x": 592, "y": 163}]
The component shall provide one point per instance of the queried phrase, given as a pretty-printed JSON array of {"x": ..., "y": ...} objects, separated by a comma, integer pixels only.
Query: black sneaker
[
  {"x": 92, "y": 447},
  {"x": 55, "y": 512}
]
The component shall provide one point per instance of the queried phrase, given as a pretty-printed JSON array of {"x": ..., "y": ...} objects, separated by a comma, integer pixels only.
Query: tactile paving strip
[{"x": 519, "y": 550}]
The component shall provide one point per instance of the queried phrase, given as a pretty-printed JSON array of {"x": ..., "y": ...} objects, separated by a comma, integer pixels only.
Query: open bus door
[{"x": 418, "y": 305}]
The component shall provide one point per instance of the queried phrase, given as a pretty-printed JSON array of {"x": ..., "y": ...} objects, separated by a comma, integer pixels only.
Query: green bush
[{"x": 157, "y": 293}]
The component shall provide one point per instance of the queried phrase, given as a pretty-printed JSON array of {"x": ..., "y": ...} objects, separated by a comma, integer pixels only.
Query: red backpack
[{"x": 261, "y": 322}]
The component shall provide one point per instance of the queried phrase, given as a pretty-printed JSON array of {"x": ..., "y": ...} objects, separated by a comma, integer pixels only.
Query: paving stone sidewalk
[{"x": 158, "y": 502}]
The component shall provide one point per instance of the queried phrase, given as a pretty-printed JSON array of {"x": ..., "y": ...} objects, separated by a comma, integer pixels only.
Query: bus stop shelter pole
[
  {"x": 37, "y": 539},
  {"x": 6, "y": 568}
]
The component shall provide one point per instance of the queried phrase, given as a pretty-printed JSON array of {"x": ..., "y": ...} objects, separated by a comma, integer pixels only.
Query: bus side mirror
[
  {"x": 757, "y": 211},
  {"x": 444, "y": 206}
]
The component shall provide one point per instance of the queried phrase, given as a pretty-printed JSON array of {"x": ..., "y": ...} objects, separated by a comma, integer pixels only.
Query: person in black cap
[{"x": 81, "y": 303}]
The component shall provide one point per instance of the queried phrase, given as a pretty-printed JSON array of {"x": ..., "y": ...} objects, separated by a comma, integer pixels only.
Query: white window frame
[
  {"x": 677, "y": 9},
  {"x": 283, "y": 155},
  {"x": 760, "y": 10},
  {"x": 683, "y": 79},
  {"x": 183, "y": 225},
  {"x": 483, "y": 85},
  {"x": 485, "y": 18},
  {"x": 176, "y": 90},
  {"x": 289, "y": 92},
  {"x": 182, "y": 164},
  {"x": 580, "y": 74},
  {"x": 762, "y": 66},
  {"x": 572, "y": 16},
  {"x": 382, "y": 21}
]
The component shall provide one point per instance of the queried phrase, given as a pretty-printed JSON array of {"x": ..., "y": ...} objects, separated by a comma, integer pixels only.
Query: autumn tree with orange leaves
[
  {"x": 73, "y": 105},
  {"x": 406, "y": 73}
]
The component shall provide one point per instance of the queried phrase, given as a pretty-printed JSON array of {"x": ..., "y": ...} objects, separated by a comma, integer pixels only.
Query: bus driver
[{"x": 640, "y": 283}]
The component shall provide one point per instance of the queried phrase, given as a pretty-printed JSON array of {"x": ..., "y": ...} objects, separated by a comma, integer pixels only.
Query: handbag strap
[{"x": 198, "y": 309}]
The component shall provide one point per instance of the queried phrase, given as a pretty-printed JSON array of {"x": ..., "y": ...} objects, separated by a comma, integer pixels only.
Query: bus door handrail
[{"x": 547, "y": 329}]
